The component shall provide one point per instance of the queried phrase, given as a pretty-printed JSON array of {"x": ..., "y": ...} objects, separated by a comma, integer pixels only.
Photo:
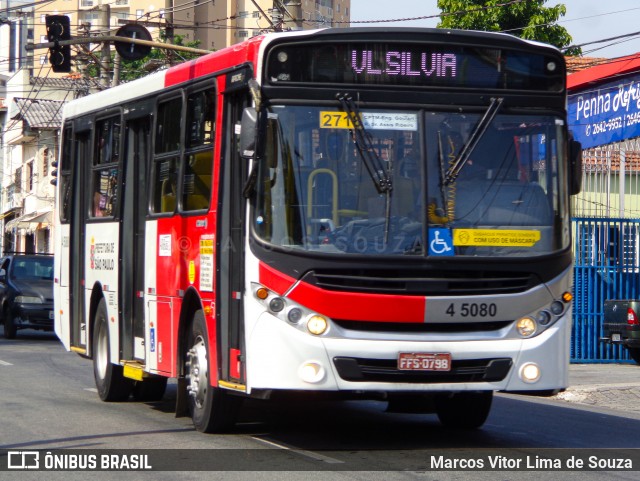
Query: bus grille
[
  {"x": 422, "y": 327},
  {"x": 386, "y": 370},
  {"x": 437, "y": 283}
]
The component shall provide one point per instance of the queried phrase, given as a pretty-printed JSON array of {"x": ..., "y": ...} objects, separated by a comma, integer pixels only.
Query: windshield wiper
[
  {"x": 474, "y": 138},
  {"x": 364, "y": 145},
  {"x": 380, "y": 176}
]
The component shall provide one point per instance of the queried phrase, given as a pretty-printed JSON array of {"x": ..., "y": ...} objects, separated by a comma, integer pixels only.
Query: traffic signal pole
[{"x": 115, "y": 38}]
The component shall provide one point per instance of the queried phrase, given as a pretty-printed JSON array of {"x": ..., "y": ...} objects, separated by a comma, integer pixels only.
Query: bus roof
[{"x": 250, "y": 50}]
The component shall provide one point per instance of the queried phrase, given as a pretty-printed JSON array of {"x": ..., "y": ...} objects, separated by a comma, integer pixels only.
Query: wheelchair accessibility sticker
[{"x": 440, "y": 242}]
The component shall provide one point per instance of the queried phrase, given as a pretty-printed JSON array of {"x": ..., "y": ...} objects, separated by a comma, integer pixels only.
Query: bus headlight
[
  {"x": 276, "y": 304},
  {"x": 317, "y": 324},
  {"x": 526, "y": 326},
  {"x": 294, "y": 315}
]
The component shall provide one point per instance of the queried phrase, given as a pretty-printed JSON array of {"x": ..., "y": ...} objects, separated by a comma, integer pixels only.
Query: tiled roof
[
  {"x": 596, "y": 161},
  {"x": 605, "y": 70},
  {"x": 38, "y": 113},
  {"x": 575, "y": 64},
  {"x": 69, "y": 83}
]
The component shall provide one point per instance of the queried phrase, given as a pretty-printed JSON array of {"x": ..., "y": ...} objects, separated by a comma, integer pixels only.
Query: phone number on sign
[{"x": 607, "y": 125}]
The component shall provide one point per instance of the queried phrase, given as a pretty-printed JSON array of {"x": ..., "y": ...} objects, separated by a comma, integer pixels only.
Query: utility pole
[
  {"x": 117, "y": 61},
  {"x": 105, "y": 57},
  {"x": 168, "y": 21}
]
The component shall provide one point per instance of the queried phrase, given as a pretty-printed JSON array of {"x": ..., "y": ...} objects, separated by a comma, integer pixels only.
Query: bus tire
[
  {"x": 110, "y": 381},
  {"x": 10, "y": 328},
  {"x": 149, "y": 390},
  {"x": 212, "y": 409},
  {"x": 466, "y": 410}
]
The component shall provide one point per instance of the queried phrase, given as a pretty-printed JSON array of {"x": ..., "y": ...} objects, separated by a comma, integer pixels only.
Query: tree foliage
[
  {"x": 528, "y": 19},
  {"x": 133, "y": 69}
]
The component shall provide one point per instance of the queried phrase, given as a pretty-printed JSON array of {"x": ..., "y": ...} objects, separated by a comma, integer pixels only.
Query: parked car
[
  {"x": 622, "y": 325},
  {"x": 26, "y": 292}
]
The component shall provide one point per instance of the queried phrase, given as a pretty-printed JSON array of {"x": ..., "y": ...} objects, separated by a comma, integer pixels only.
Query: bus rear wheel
[
  {"x": 212, "y": 409},
  {"x": 110, "y": 381},
  {"x": 466, "y": 410}
]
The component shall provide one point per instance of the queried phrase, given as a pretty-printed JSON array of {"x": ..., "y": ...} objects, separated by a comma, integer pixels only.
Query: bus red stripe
[
  {"x": 275, "y": 280},
  {"x": 358, "y": 306}
]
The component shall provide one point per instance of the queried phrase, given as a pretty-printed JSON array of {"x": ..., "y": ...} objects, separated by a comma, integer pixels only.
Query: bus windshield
[{"x": 317, "y": 192}]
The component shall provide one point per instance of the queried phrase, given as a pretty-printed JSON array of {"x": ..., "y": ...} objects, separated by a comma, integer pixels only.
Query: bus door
[
  {"x": 76, "y": 247},
  {"x": 132, "y": 238},
  {"x": 231, "y": 232}
]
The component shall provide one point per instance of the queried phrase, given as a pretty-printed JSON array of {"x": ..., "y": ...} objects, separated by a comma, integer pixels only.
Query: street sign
[{"x": 130, "y": 51}]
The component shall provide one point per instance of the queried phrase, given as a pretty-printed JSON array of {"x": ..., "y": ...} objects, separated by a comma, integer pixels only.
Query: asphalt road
[{"x": 48, "y": 401}]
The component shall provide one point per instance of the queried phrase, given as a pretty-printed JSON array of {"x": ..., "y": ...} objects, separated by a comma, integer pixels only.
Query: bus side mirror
[
  {"x": 575, "y": 167},
  {"x": 248, "y": 132}
]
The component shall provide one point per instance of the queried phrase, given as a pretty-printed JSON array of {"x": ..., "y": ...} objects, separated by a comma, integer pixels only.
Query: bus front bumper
[{"x": 282, "y": 357}]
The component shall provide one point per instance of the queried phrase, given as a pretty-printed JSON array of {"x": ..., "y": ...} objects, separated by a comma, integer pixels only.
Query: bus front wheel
[
  {"x": 110, "y": 381},
  {"x": 212, "y": 409},
  {"x": 466, "y": 410}
]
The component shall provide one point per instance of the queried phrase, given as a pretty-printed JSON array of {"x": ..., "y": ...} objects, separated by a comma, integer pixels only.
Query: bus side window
[
  {"x": 105, "y": 167},
  {"x": 197, "y": 181},
  {"x": 166, "y": 186},
  {"x": 168, "y": 126},
  {"x": 198, "y": 158},
  {"x": 167, "y": 156}
]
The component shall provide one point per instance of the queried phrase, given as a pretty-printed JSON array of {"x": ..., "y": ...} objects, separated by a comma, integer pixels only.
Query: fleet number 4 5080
[{"x": 472, "y": 309}]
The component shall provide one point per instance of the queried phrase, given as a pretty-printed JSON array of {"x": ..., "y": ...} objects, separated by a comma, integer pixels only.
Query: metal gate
[{"x": 606, "y": 233}]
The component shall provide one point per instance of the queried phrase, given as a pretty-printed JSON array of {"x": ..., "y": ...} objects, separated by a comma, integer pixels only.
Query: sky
[{"x": 585, "y": 20}]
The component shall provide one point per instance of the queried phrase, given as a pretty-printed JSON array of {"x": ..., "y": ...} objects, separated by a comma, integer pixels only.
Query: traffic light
[
  {"x": 59, "y": 28},
  {"x": 54, "y": 173}
]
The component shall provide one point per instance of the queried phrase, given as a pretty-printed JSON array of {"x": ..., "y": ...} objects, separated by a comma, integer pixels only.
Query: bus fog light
[
  {"x": 526, "y": 326},
  {"x": 311, "y": 372},
  {"x": 530, "y": 372},
  {"x": 317, "y": 324}
]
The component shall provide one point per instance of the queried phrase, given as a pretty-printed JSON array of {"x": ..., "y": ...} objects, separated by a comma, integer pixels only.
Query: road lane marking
[
  {"x": 5, "y": 363},
  {"x": 309, "y": 454},
  {"x": 92, "y": 389}
]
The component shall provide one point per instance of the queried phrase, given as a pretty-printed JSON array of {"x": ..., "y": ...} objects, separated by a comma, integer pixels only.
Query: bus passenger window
[
  {"x": 168, "y": 126},
  {"x": 165, "y": 186},
  {"x": 107, "y": 143},
  {"x": 200, "y": 119},
  {"x": 104, "y": 195},
  {"x": 196, "y": 185},
  {"x": 198, "y": 157}
]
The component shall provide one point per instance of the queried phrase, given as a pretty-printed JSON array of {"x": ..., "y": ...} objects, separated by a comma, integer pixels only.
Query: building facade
[
  {"x": 604, "y": 115},
  {"x": 214, "y": 24}
]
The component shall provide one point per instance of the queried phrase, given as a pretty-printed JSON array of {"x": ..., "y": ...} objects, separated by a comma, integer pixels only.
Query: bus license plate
[{"x": 424, "y": 361}]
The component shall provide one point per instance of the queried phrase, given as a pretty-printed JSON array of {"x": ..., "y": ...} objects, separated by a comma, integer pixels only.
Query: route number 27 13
[{"x": 472, "y": 309}]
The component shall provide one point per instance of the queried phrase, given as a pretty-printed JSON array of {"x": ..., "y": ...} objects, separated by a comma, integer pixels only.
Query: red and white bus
[{"x": 381, "y": 213}]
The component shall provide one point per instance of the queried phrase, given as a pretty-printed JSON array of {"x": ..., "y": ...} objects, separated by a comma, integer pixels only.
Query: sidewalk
[{"x": 614, "y": 386}]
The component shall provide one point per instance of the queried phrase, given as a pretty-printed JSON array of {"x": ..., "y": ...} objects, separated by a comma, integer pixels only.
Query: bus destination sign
[{"x": 414, "y": 64}]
